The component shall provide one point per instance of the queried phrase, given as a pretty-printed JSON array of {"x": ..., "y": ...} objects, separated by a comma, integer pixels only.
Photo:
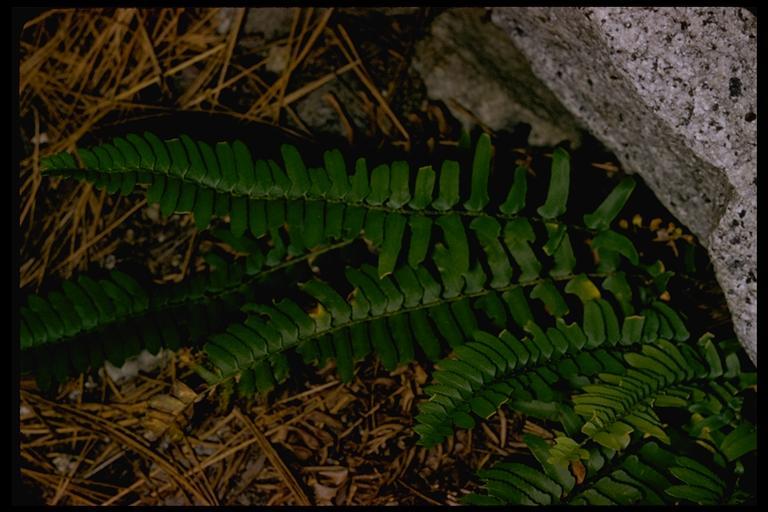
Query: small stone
[
  {"x": 64, "y": 464},
  {"x": 225, "y": 17},
  {"x": 277, "y": 58},
  {"x": 269, "y": 22},
  {"x": 41, "y": 139},
  {"x": 153, "y": 212},
  {"x": 148, "y": 362},
  {"x": 318, "y": 114},
  {"x": 128, "y": 371}
]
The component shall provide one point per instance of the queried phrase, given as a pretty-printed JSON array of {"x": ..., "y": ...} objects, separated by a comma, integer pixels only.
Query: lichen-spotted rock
[{"x": 672, "y": 91}]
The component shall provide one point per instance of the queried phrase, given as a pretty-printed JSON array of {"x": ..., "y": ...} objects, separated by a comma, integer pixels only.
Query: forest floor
[{"x": 310, "y": 441}]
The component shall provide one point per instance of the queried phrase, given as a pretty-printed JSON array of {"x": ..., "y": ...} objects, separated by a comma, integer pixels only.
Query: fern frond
[
  {"x": 645, "y": 474},
  {"x": 525, "y": 373},
  {"x": 327, "y": 204},
  {"x": 88, "y": 321},
  {"x": 115, "y": 318},
  {"x": 621, "y": 466},
  {"x": 83, "y": 306},
  {"x": 660, "y": 375},
  {"x": 582, "y": 340}
]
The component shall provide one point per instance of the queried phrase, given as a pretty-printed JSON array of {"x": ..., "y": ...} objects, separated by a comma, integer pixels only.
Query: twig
[
  {"x": 420, "y": 495},
  {"x": 308, "y": 392},
  {"x": 35, "y": 177},
  {"x": 206, "y": 483},
  {"x": 121, "y": 435},
  {"x": 205, "y": 94},
  {"x": 300, "y": 93},
  {"x": 276, "y": 461},
  {"x": 331, "y": 99},
  {"x": 102, "y": 234},
  {"x": 235, "y": 28},
  {"x": 65, "y": 481},
  {"x": 362, "y": 74},
  {"x": 282, "y": 83},
  {"x": 274, "y": 89}
]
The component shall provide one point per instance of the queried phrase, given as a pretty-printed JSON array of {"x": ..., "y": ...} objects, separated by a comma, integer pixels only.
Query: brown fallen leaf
[
  {"x": 578, "y": 470},
  {"x": 608, "y": 167},
  {"x": 324, "y": 494},
  {"x": 419, "y": 374},
  {"x": 308, "y": 439},
  {"x": 168, "y": 413},
  {"x": 337, "y": 476},
  {"x": 322, "y": 419}
]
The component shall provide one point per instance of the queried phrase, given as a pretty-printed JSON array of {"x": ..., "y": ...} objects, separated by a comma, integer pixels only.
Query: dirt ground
[{"x": 328, "y": 75}]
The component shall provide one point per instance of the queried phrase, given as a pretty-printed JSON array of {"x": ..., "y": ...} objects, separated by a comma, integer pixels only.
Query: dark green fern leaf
[{"x": 185, "y": 175}]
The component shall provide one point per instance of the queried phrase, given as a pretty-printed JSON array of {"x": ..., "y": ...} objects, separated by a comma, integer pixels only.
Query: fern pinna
[
  {"x": 525, "y": 306},
  {"x": 88, "y": 320}
]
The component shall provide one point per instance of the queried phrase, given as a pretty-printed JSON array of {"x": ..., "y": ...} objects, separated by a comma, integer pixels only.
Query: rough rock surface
[
  {"x": 470, "y": 65},
  {"x": 271, "y": 22},
  {"x": 672, "y": 91},
  {"x": 318, "y": 114}
]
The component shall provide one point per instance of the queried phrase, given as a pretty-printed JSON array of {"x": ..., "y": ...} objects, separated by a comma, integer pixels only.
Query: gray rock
[
  {"x": 224, "y": 17},
  {"x": 269, "y": 22},
  {"x": 318, "y": 114},
  {"x": 469, "y": 61},
  {"x": 397, "y": 11},
  {"x": 265, "y": 23},
  {"x": 672, "y": 91},
  {"x": 386, "y": 11}
]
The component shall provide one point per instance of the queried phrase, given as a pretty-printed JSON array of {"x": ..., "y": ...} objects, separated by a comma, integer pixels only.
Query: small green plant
[{"x": 533, "y": 307}]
